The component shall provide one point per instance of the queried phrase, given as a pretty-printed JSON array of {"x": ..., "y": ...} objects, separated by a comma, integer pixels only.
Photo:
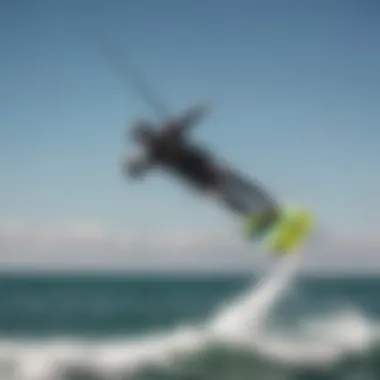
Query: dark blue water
[{"x": 101, "y": 304}]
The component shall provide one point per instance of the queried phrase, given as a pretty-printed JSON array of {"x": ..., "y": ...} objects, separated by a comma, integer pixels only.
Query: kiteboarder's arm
[
  {"x": 137, "y": 166},
  {"x": 194, "y": 116},
  {"x": 186, "y": 122}
]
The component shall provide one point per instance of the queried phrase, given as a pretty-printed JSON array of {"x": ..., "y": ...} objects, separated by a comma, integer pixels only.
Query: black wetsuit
[
  {"x": 191, "y": 163},
  {"x": 170, "y": 149}
]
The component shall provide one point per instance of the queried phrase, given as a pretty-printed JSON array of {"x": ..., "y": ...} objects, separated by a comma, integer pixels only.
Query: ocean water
[{"x": 278, "y": 326}]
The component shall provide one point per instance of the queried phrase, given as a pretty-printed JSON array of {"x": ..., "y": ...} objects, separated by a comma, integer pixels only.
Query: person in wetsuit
[{"x": 170, "y": 149}]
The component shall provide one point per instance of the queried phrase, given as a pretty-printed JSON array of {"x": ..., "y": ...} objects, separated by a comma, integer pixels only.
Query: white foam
[
  {"x": 323, "y": 341},
  {"x": 246, "y": 316}
]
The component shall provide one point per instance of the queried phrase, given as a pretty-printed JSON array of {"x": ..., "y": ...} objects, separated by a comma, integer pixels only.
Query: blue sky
[{"x": 294, "y": 88}]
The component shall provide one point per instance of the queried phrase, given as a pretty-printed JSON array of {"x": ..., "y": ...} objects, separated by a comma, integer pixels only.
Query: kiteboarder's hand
[{"x": 135, "y": 167}]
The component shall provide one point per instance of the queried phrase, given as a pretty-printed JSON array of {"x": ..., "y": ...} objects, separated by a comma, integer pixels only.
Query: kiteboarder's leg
[{"x": 247, "y": 199}]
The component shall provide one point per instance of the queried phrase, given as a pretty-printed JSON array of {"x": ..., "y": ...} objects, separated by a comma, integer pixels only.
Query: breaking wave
[{"x": 237, "y": 342}]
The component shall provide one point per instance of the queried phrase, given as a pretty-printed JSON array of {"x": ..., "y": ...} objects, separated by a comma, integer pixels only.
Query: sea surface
[{"x": 212, "y": 327}]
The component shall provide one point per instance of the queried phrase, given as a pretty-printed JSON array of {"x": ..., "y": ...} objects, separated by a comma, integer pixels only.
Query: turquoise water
[{"x": 158, "y": 327}]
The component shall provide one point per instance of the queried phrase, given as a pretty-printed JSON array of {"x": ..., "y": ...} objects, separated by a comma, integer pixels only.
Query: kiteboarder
[{"x": 170, "y": 148}]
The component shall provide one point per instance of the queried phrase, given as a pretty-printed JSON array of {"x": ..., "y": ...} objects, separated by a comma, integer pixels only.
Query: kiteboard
[{"x": 285, "y": 234}]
